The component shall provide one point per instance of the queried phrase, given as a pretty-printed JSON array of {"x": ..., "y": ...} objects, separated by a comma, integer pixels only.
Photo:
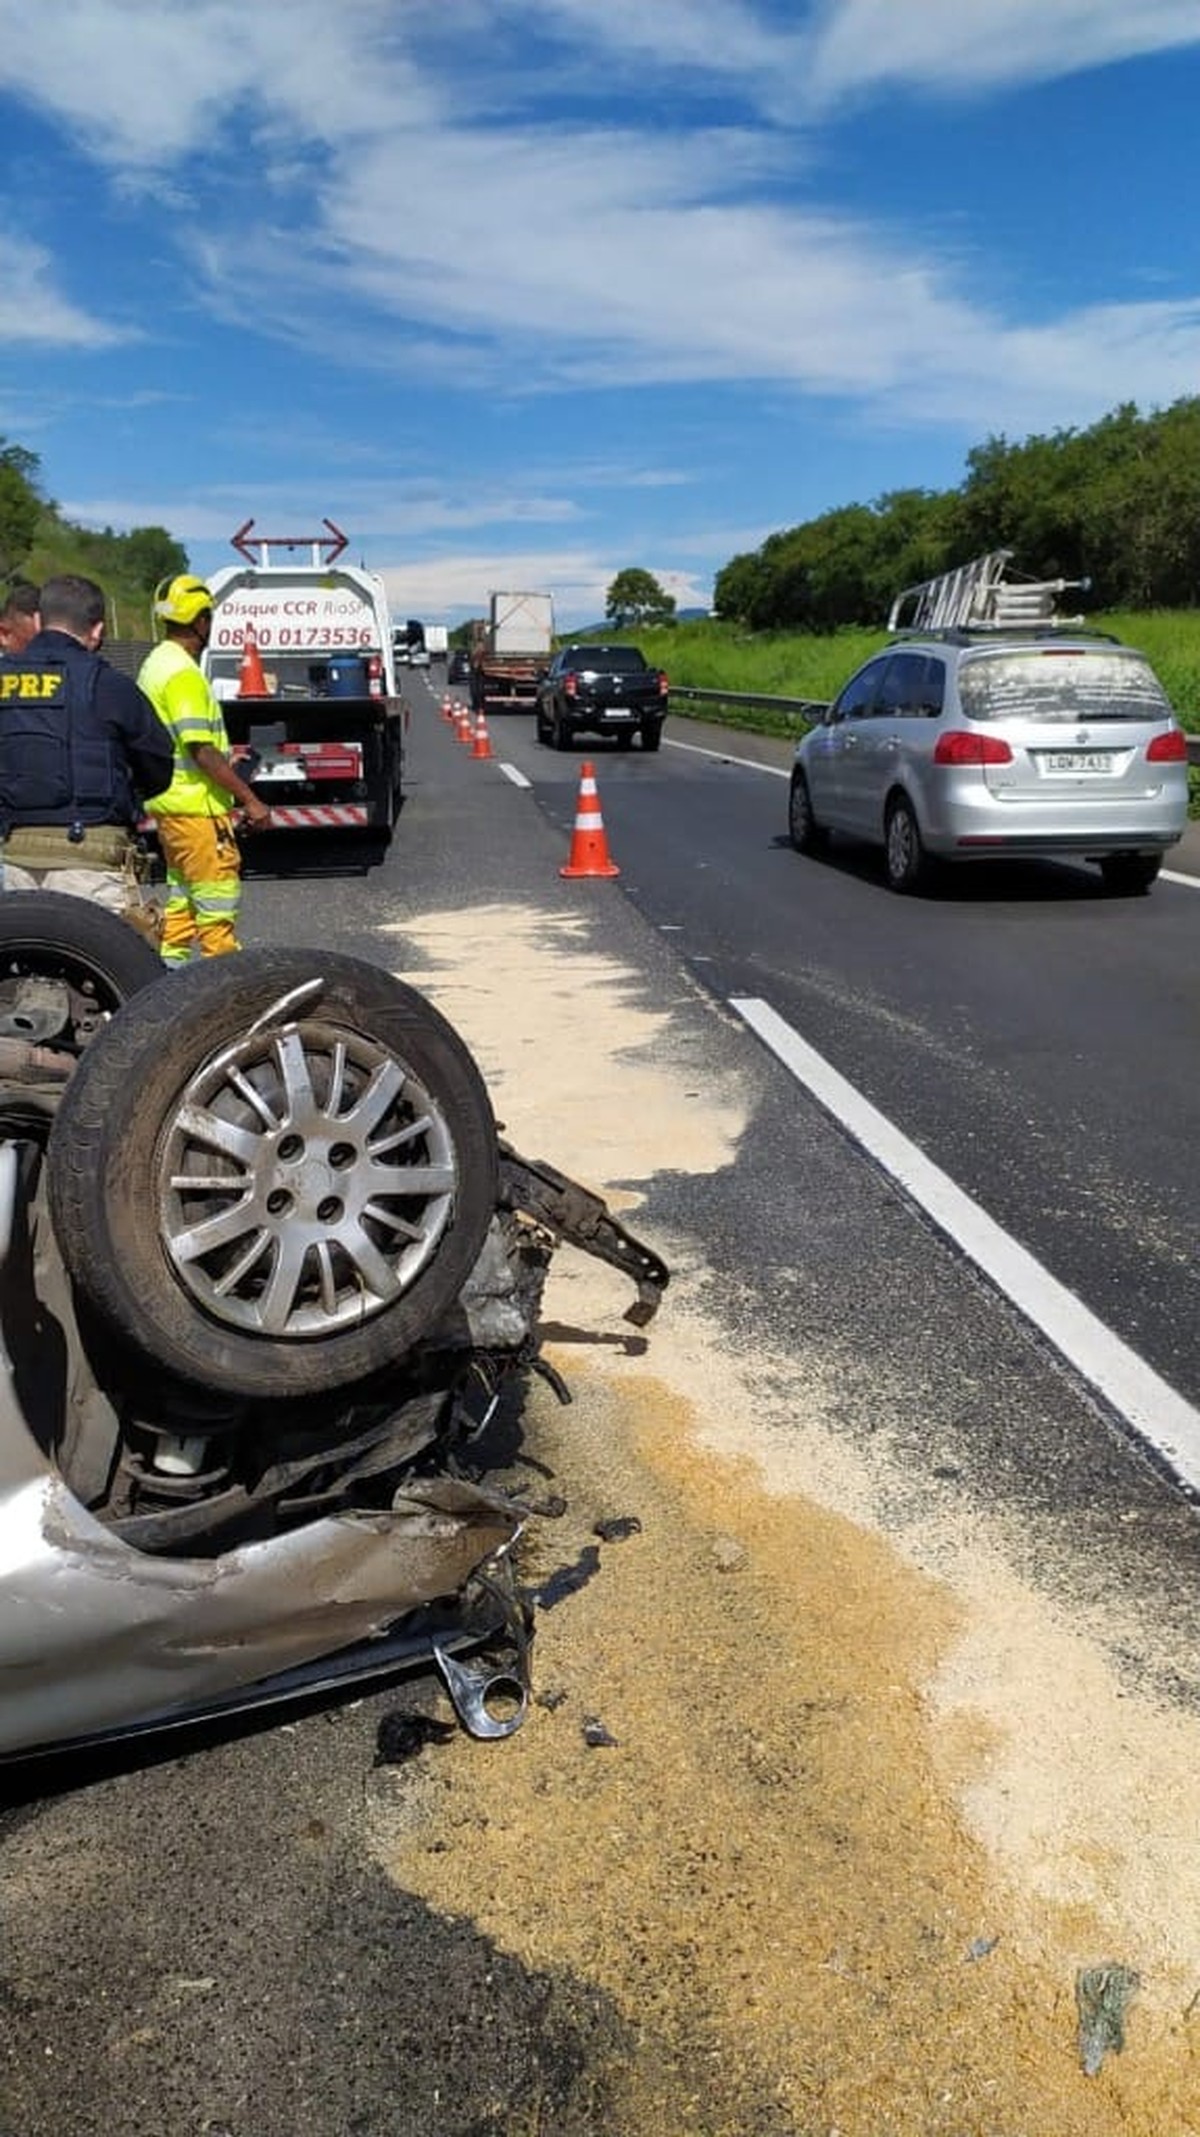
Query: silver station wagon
[{"x": 988, "y": 738}]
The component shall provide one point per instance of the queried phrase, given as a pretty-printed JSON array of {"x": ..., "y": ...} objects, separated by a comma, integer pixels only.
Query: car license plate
[
  {"x": 620, "y": 712},
  {"x": 1077, "y": 760}
]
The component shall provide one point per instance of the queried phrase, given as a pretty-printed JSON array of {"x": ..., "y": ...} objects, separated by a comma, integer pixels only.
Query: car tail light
[
  {"x": 1170, "y": 748},
  {"x": 663, "y": 684},
  {"x": 963, "y": 747},
  {"x": 570, "y": 686},
  {"x": 374, "y": 675}
]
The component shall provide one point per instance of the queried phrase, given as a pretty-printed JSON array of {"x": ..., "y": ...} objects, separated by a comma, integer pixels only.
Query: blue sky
[{"x": 519, "y": 292}]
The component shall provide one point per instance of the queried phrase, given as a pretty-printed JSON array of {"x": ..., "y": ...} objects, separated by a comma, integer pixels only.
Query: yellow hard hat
[{"x": 181, "y": 600}]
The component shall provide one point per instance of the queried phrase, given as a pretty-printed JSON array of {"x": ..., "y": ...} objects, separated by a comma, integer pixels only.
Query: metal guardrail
[
  {"x": 804, "y": 708},
  {"x": 810, "y": 709}
]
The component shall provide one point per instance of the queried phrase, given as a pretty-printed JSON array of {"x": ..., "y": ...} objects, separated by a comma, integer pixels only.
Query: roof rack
[{"x": 979, "y": 596}]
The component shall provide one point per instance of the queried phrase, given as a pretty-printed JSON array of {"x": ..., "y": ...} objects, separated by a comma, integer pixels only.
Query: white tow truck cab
[{"x": 301, "y": 657}]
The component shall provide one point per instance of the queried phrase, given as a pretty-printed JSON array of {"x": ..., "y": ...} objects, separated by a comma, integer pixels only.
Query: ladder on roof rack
[{"x": 978, "y": 596}]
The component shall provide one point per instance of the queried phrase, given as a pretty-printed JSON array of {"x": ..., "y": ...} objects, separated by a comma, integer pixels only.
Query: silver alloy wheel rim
[
  {"x": 900, "y": 845},
  {"x": 304, "y": 1181}
]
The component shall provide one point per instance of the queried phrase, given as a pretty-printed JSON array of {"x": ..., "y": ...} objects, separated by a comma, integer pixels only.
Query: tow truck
[{"x": 301, "y": 658}]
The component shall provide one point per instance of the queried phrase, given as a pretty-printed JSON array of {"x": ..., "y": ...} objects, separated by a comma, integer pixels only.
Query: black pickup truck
[{"x": 601, "y": 690}]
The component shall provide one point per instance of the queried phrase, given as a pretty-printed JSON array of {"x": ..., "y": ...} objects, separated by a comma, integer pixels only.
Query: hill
[{"x": 37, "y": 543}]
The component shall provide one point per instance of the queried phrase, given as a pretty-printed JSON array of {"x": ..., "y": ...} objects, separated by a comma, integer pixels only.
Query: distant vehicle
[
  {"x": 437, "y": 640},
  {"x": 993, "y": 731},
  {"x": 418, "y": 657},
  {"x": 510, "y": 653},
  {"x": 602, "y": 690},
  {"x": 459, "y": 667},
  {"x": 319, "y": 732}
]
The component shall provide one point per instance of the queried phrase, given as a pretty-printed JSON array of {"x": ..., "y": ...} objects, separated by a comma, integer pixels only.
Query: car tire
[
  {"x": 652, "y": 734},
  {"x": 562, "y": 736},
  {"x": 1129, "y": 875},
  {"x": 545, "y": 733},
  {"x": 297, "y": 1089},
  {"x": 905, "y": 858},
  {"x": 101, "y": 959},
  {"x": 805, "y": 833}
]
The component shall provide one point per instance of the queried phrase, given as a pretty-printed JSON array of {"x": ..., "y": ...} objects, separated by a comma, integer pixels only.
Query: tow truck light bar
[{"x": 322, "y": 548}]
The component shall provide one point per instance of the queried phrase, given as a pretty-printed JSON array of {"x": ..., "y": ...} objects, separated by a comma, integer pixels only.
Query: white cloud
[
  {"x": 453, "y": 587},
  {"x": 145, "y": 84},
  {"x": 964, "y": 45},
  {"x": 32, "y": 310},
  {"x": 533, "y": 256}
]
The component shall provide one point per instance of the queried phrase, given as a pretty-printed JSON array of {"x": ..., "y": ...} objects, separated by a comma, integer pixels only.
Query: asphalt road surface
[{"x": 274, "y": 1934}]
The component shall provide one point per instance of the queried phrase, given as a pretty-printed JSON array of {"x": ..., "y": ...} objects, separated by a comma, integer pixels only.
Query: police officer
[{"x": 80, "y": 749}]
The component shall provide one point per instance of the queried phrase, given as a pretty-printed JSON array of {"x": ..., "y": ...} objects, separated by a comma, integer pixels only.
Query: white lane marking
[
  {"x": 1156, "y": 1412},
  {"x": 726, "y": 756},
  {"x": 518, "y": 778},
  {"x": 1172, "y": 875}
]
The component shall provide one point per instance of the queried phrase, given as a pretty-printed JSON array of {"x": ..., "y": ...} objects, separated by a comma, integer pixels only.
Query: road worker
[
  {"x": 197, "y": 814},
  {"x": 20, "y": 616},
  {"x": 80, "y": 750}
]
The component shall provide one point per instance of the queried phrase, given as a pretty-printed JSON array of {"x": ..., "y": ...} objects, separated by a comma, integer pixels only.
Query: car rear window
[
  {"x": 606, "y": 660},
  {"x": 1067, "y": 683}
]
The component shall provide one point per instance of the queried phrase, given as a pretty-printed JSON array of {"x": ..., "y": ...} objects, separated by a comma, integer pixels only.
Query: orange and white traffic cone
[
  {"x": 462, "y": 724},
  {"x": 251, "y": 680},
  {"x": 482, "y": 744},
  {"x": 447, "y": 706},
  {"x": 589, "y": 847}
]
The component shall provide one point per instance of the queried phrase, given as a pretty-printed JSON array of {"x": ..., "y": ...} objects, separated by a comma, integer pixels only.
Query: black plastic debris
[
  {"x": 568, "y": 1580},
  {"x": 401, "y": 1735},
  {"x": 618, "y": 1528},
  {"x": 551, "y": 1508},
  {"x": 595, "y": 1735},
  {"x": 1102, "y": 1998}
]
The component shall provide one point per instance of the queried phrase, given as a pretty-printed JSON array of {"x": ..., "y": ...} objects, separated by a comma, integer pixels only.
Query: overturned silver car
[{"x": 266, "y": 1271}]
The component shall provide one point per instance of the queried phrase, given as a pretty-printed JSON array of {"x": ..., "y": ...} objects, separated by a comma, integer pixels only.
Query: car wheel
[
  {"x": 93, "y": 958},
  {"x": 804, "y": 831},
  {"x": 652, "y": 734},
  {"x": 274, "y": 1172},
  {"x": 545, "y": 732},
  {"x": 563, "y": 737},
  {"x": 905, "y": 857},
  {"x": 1129, "y": 875}
]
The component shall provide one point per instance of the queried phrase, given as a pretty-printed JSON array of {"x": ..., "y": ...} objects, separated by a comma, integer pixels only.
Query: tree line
[
  {"x": 1117, "y": 504},
  {"x": 35, "y": 539}
]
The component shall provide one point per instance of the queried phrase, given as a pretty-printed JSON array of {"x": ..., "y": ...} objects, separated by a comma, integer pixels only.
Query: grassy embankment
[{"x": 60, "y": 547}]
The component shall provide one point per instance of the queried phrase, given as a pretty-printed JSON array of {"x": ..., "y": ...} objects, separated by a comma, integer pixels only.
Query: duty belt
[{"x": 52, "y": 846}]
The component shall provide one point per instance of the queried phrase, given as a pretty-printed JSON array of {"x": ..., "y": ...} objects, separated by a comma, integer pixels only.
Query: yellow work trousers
[{"x": 204, "y": 886}]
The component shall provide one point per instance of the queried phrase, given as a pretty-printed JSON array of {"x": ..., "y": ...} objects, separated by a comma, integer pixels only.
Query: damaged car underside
[{"x": 266, "y": 1271}]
